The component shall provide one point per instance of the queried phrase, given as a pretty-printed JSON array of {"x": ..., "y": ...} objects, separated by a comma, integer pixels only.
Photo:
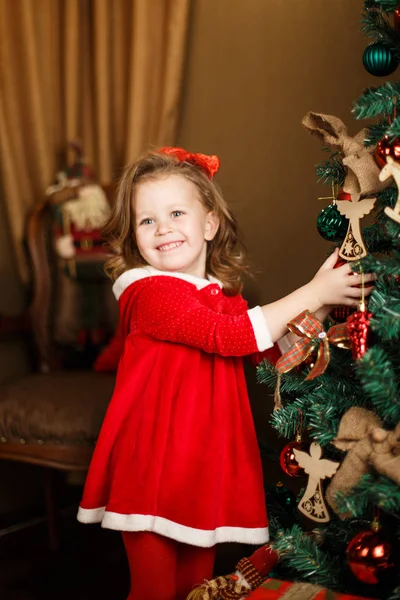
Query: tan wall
[{"x": 255, "y": 68}]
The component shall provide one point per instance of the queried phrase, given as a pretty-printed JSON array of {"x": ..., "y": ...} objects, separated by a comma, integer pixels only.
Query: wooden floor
[{"x": 90, "y": 565}]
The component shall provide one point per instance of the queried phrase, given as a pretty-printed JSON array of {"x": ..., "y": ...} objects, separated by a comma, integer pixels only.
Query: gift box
[{"x": 272, "y": 589}]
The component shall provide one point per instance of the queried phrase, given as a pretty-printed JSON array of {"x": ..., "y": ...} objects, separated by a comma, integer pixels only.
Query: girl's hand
[
  {"x": 329, "y": 287},
  {"x": 337, "y": 286}
]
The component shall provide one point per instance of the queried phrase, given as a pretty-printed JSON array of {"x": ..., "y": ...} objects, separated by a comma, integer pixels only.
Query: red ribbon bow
[
  {"x": 313, "y": 337},
  {"x": 209, "y": 163}
]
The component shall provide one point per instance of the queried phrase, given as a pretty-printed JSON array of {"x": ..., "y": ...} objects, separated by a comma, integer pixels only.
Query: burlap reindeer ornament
[
  {"x": 368, "y": 446},
  {"x": 362, "y": 178}
]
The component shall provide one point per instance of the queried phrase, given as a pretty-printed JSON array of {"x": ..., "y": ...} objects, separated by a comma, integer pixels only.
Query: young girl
[{"x": 177, "y": 467}]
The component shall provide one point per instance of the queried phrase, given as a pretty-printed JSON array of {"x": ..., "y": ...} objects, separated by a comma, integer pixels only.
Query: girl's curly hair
[{"x": 225, "y": 253}]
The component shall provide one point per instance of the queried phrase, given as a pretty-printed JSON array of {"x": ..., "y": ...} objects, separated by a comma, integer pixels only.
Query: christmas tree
[{"x": 337, "y": 391}]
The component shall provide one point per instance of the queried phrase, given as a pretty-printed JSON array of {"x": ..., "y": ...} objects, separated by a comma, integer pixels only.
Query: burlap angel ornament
[
  {"x": 368, "y": 445},
  {"x": 362, "y": 179}
]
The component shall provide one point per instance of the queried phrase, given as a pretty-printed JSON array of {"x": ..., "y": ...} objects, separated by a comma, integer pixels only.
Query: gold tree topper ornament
[
  {"x": 392, "y": 169},
  {"x": 312, "y": 503},
  {"x": 362, "y": 179}
]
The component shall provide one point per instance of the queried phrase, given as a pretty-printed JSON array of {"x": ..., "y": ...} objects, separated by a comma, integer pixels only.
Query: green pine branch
[
  {"x": 386, "y": 127},
  {"x": 379, "y": 381},
  {"x": 375, "y": 102},
  {"x": 386, "y": 267},
  {"x": 376, "y": 240},
  {"x": 291, "y": 383},
  {"x": 372, "y": 491},
  {"x": 395, "y": 595},
  {"x": 301, "y": 554},
  {"x": 393, "y": 231},
  {"x": 376, "y": 132},
  {"x": 336, "y": 536},
  {"x": 318, "y": 411},
  {"x": 385, "y": 307},
  {"x": 393, "y": 130},
  {"x": 332, "y": 171},
  {"x": 387, "y": 6},
  {"x": 387, "y": 197},
  {"x": 376, "y": 25},
  {"x": 289, "y": 420}
]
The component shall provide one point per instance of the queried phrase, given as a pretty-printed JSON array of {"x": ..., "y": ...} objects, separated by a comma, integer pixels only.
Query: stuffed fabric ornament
[
  {"x": 368, "y": 446},
  {"x": 248, "y": 576},
  {"x": 362, "y": 171},
  {"x": 362, "y": 179}
]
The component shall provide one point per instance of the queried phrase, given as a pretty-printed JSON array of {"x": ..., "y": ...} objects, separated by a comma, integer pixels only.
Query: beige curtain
[{"x": 106, "y": 72}]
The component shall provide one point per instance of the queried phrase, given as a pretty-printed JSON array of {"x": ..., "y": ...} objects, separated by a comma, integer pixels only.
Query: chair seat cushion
[{"x": 65, "y": 407}]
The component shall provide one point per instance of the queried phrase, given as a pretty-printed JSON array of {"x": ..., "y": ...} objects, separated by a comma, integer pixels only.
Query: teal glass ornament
[
  {"x": 379, "y": 60},
  {"x": 331, "y": 225}
]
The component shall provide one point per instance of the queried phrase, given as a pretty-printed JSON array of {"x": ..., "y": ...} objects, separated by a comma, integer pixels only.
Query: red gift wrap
[{"x": 272, "y": 589}]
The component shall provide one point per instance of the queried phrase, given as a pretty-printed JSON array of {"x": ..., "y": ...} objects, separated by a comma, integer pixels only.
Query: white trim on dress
[
  {"x": 260, "y": 327},
  {"x": 205, "y": 538},
  {"x": 132, "y": 275}
]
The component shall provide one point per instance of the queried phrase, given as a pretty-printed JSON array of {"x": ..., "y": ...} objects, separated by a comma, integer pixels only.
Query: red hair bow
[{"x": 209, "y": 163}]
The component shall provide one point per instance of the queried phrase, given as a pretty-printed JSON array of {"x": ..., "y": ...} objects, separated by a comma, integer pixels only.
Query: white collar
[{"x": 132, "y": 275}]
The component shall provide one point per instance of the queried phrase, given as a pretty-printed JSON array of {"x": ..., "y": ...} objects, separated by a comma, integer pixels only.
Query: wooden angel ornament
[
  {"x": 312, "y": 503},
  {"x": 353, "y": 246},
  {"x": 362, "y": 180},
  {"x": 392, "y": 169}
]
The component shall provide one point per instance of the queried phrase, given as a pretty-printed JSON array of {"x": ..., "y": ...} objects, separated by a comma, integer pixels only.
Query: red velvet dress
[{"x": 177, "y": 453}]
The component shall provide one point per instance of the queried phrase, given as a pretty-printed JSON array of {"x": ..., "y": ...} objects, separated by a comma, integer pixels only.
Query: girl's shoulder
[{"x": 149, "y": 276}]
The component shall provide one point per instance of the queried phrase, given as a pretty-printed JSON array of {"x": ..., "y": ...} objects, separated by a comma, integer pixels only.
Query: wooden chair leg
[{"x": 51, "y": 510}]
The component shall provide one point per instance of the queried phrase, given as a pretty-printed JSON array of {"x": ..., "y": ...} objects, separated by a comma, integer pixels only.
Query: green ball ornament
[
  {"x": 378, "y": 59},
  {"x": 331, "y": 225}
]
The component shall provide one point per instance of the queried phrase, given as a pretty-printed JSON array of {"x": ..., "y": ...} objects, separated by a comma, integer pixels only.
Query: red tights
[{"x": 163, "y": 569}]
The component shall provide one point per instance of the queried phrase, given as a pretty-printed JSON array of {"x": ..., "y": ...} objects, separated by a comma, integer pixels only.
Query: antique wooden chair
[{"x": 51, "y": 417}]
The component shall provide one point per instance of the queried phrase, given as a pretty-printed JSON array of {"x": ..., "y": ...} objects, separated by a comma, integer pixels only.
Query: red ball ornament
[
  {"x": 385, "y": 148},
  {"x": 358, "y": 330},
  {"x": 371, "y": 556},
  {"x": 344, "y": 196},
  {"x": 288, "y": 460}
]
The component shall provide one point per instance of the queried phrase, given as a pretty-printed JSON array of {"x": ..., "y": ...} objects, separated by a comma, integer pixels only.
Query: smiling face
[{"x": 172, "y": 226}]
